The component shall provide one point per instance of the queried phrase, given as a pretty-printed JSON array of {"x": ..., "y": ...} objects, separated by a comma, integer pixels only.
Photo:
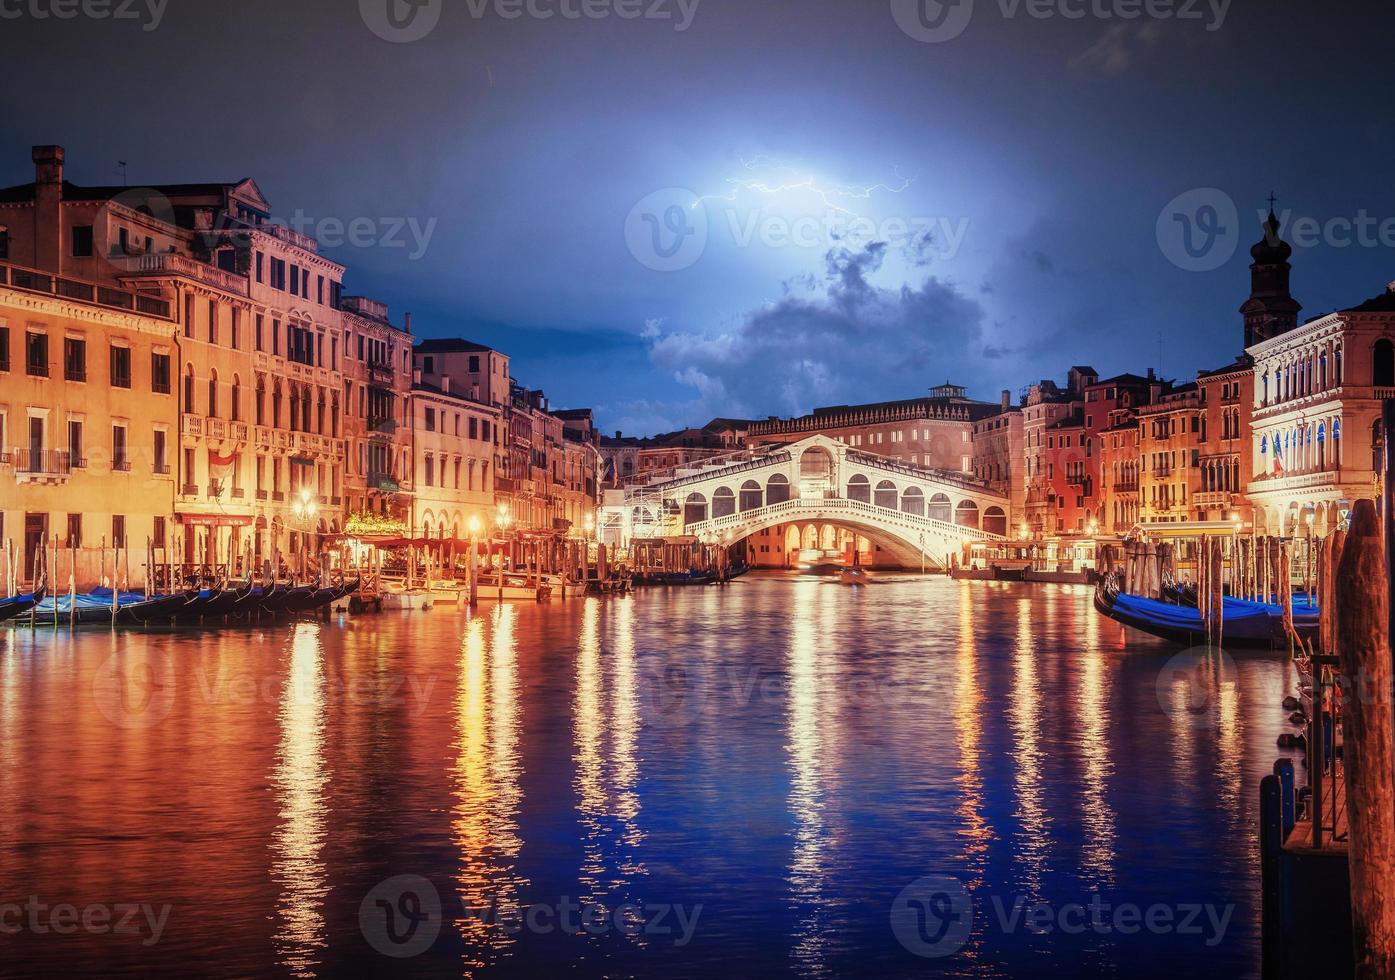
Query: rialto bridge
[{"x": 915, "y": 515}]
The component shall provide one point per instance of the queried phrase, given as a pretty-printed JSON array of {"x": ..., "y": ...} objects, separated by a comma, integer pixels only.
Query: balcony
[
  {"x": 215, "y": 428},
  {"x": 1128, "y": 486},
  {"x": 31, "y": 280},
  {"x": 42, "y": 465},
  {"x": 168, "y": 264},
  {"x": 161, "y": 469},
  {"x": 189, "y": 490},
  {"x": 238, "y": 493},
  {"x": 121, "y": 466},
  {"x": 261, "y": 494},
  {"x": 191, "y": 425}
]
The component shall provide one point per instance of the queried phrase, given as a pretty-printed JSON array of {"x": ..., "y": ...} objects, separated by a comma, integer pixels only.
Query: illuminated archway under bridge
[{"x": 911, "y": 512}]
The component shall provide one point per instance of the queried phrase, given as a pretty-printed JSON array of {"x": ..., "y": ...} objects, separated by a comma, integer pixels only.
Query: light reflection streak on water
[
  {"x": 587, "y": 757},
  {"x": 1092, "y": 705},
  {"x": 1025, "y": 717},
  {"x": 486, "y": 792},
  {"x": 968, "y": 728},
  {"x": 300, "y": 778},
  {"x": 625, "y": 725},
  {"x": 807, "y": 860}
]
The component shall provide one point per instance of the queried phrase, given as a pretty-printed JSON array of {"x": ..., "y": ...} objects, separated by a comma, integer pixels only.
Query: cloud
[
  {"x": 1119, "y": 47},
  {"x": 847, "y": 340}
]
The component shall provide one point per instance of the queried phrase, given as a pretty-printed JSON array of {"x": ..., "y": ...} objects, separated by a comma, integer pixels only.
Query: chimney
[
  {"x": 48, "y": 199},
  {"x": 1151, "y": 375},
  {"x": 1006, "y": 399},
  {"x": 416, "y": 376},
  {"x": 619, "y": 434},
  {"x": 407, "y": 321},
  {"x": 445, "y": 383}
]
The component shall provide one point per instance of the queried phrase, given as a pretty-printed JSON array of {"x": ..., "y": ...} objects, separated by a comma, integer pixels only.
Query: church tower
[{"x": 1270, "y": 310}]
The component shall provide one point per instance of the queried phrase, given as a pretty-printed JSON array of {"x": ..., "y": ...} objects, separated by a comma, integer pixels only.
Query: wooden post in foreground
[{"x": 1363, "y": 638}]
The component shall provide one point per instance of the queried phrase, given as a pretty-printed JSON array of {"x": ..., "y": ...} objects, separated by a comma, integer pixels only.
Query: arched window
[
  {"x": 777, "y": 489},
  {"x": 235, "y": 406},
  {"x": 213, "y": 394},
  {"x": 1383, "y": 364},
  {"x": 885, "y": 495},
  {"x": 276, "y": 403},
  {"x": 1377, "y": 446},
  {"x": 860, "y": 489},
  {"x": 723, "y": 502},
  {"x": 695, "y": 509},
  {"x": 1321, "y": 446},
  {"x": 939, "y": 507},
  {"x": 913, "y": 501},
  {"x": 295, "y": 407},
  {"x": 260, "y": 405},
  {"x": 189, "y": 389},
  {"x": 966, "y": 514},
  {"x": 750, "y": 495},
  {"x": 995, "y": 521}
]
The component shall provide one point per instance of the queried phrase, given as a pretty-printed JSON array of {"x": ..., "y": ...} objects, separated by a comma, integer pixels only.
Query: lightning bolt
[{"x": 831, "y": 194}]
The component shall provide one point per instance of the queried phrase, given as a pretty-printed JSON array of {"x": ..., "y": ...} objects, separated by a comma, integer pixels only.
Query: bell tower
[{"x": 1270, "y": 310}]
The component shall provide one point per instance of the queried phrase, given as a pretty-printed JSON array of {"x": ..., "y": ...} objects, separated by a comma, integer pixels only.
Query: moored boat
[
  {"x": 18, "y": 605},
  {"x": 1244, "y": 623}
]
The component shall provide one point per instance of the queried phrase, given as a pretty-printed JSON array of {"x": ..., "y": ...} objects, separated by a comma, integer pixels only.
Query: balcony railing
[
  {"x": 43, "y": 462},
  {"x": 170, "y": 264},
  {"x": 121, "y": 465},
  {"x": 34, "y": 281}
]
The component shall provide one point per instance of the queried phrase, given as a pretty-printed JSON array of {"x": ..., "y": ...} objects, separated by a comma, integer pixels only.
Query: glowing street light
[
  {"x": 304, "y": 506},
  {"x": 474, "y": 525}
]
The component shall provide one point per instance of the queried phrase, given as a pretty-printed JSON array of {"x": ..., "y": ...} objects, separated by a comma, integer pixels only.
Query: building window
[
  {"x": 189, "y": 389},
  {"x": 213, "y": 321},
  {"x": 257, "y": 333},
  {"x": 81, "y": 241},
  {"x": 161, "y": 452},
  {"x": 474, "y": 364},
  {"x": 160, "y": 373},
  {"x": 4, "y": 348},
  {"x": 189, "y": 315},
  {"x": 261, "y": 266},
  {"x": 118, "y": 530},
  {"x": 75, "y": 456},
  {"x": 120, "y": 462},
  {"x": 75, "y": 530},
  {"x": 120, "y": 367},
  {"x": 74, "y": 359}
]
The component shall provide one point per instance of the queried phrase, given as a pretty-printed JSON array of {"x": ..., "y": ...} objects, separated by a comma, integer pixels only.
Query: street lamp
[{"x": 304, "y": 507}]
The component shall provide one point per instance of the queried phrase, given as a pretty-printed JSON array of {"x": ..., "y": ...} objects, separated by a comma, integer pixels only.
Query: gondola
[
  {"x": 676, "y": 578},
  {"x": 95, "y": 608},
  {"x": 317, "y": 599},
  {"x": 225, "y": 600},
  {"x": 287, "y": 600},
  {"x": 18, "y": 605},
  {"x": 1244, "y": 623}
]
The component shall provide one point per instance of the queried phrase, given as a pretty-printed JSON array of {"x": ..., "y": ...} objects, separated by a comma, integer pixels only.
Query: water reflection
[
  {"x": 487, "y": 796},
  {"x": 968, "y": 726},
  {"x": 607, "y": 782},
  {"x": 300, "y": 778},
  {"x": 1092, "y": 703},
  {"x": 1024, "y": 712},
  {"x": 807, "y": 730}
]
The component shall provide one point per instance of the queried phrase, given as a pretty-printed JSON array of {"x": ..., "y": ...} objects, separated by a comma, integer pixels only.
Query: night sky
[{"x": 1013, "y": 184}]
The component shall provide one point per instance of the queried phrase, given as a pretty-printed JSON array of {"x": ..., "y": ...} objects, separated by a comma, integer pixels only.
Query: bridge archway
[
  {"x": 913, "y": 501},
  {"x": 940, "y": 508},
  {"x": 777, "y": 489},
  {"x": 966, "y": 514},
  {"x": 723, "y": 502},
  {"x": 995, "y": 521},
  {"x": 751, "y": 496},
  {"x": 885, "y": 495},
  {"x": 694, "y": 508},
  {"x": 859, "y": 488}
]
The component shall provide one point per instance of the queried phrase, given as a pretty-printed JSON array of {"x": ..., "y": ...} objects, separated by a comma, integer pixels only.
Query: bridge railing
[
  {"x": 722, "y": 471},
  {"x": 921, "y": 472},
  {"x": 834, "y": 505}
]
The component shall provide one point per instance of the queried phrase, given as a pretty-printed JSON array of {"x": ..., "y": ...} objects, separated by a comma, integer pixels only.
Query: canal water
[{"x": 779, "y": 777}]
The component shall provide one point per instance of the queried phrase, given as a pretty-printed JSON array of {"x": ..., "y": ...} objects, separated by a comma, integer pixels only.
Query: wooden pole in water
[
  {"x": 1217, "y": 591},
  {"x": 1363, "y": 638}
]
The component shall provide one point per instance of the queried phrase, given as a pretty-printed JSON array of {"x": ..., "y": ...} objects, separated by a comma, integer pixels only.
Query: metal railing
[
  {"x": 34, "y": 281},
  {"x": 43, "y": 462}
]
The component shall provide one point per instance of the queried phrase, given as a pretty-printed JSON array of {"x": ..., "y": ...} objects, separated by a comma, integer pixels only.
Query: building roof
[
  {"x": 1384, "y": 303},
  {"x": 1127, "y": 378},
  {"x": 1242, "y": 363},
  {"x": 1072, "y": 421},
  {"x": 21, "y": 193},
  {"x": 448, "y": 345}
]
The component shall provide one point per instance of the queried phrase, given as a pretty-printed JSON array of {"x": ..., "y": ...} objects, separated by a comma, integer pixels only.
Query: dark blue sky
[{"x": 1041, "y": 154}]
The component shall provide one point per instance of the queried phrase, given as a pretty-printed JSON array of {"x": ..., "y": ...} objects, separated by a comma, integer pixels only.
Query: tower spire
[{"x": 1270, "y": 310}]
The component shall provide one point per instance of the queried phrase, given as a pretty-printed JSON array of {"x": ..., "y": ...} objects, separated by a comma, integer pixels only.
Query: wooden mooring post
[{"x": 1363, "y": 638}]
